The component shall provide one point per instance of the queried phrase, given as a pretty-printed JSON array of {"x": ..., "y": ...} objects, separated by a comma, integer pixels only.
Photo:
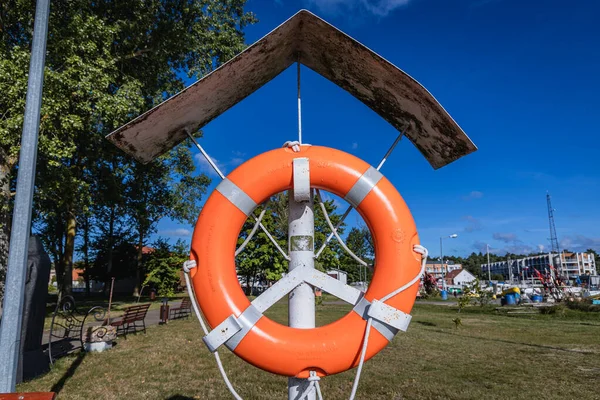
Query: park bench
[
  {"x": 183, "y": 311},
  {"x": 132, "y": 320},
  {"x": 67, "y": 329}
]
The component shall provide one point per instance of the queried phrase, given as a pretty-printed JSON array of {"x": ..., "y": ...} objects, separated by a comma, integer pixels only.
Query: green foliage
[
  {"x": 359, "y": 240},
  {"x": 582, "y": 305},
  {"x": 476, "y": 294},
  {"x": 261, "y": 261},
  {"x": 498, "y": 277},
  {"x": 462, "y": 302},
  {"x": 106, "y": 63},
  {"x": 329, "y": 258},
  {"x": 558, "y": 310},
  {"x": 164, "y": 266},
  {"x": 457, "y": 322}
]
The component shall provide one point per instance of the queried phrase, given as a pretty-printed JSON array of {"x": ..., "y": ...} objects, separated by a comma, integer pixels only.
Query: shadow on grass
[
  {"x": 540, "y": 346},
  {"x": 57, "y": 387}
]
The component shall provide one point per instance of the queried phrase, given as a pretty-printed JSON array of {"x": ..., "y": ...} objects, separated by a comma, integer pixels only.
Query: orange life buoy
[{"x": 328, "y": 349}]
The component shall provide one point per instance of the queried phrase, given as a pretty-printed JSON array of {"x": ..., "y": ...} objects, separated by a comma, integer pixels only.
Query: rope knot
[
  {"x": 421, "y": 250},
  {"x": 294, "y": 145},
  {"x": 189, "y": 265}
]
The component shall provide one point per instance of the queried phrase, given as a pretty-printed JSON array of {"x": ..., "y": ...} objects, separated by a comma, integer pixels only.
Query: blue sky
[{"x": 520, "y": 78}]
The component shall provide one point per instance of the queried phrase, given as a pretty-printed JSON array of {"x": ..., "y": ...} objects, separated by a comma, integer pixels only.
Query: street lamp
[
  {"x": 488, "y": 256},
  {"x": 453, "y": 236}
]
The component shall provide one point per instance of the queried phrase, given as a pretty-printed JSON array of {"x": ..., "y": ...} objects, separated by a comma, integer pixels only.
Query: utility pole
[
  {"x": 453, "y": 236},
  {"x": 10, "y": 330},
  {"x": 553, "y": 236},
  {"x": 488, "y": 257}
]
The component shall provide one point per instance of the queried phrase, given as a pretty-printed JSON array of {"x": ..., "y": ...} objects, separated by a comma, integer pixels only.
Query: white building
[
  {"x": 340, "y": 275},
  {"x": 571, "y": 265},
  {"x": 460, "y": 277},
  {"x": 435, "y": 269}
]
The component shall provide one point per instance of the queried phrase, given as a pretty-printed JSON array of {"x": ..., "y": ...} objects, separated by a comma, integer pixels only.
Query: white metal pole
[
  {"x": 10, "y": 330},
  {"x": 301, "y": 308},
  {"x": 488, "y": 257},
  {"x": 299, "y": 108},
  {"x": 442, "y": 261}
]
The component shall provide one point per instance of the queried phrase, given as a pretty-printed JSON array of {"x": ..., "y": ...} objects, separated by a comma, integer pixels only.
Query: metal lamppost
[
  {"x": 10, "y": 329},
  {"x": 453, "y": 236},
  {"x": 488, "y": 257}
]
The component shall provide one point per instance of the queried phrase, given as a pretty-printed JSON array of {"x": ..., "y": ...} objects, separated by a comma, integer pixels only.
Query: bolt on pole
[{"x": 10, "y": 329}]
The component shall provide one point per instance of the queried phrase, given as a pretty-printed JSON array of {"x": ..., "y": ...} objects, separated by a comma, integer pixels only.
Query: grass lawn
[{"x": 490, "y": 356}]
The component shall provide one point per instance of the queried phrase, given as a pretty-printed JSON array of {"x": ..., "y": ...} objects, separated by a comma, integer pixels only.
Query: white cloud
[
  {"x": 205, "y": 166},
  {"x": 473, "y": 195},
  {"x": 236, "y": 159},
  {"x": 580, "y": 243},
  {"x": 506, "y": 237},
  {"x": 541, "y": 248},
  {"x": 338, "y": 202},
  {"x": 379, "y": 8},
  {"x": 180, "y": 232},
  {"x": 473, "y": 224}
]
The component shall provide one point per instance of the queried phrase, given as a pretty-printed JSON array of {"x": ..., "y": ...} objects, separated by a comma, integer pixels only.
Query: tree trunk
[
  {"x": 67, "y": 287},
  {"x": 138, "y": 270},
  {"x": 86, "y": 258},
  {"x": 4, "y": 224},
  {"x": 111, "y": 245}
]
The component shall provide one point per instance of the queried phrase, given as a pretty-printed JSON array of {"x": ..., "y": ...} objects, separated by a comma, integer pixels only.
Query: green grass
[{"x": 491, "y": 356}]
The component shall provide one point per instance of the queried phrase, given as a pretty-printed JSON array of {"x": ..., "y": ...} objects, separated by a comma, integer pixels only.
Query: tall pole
[
  {"x": 442, "y": 261},
  {"x": 301, "y": 306},
  {"x": 488, "y": 257},
  {"x": 10, "y": 330}
]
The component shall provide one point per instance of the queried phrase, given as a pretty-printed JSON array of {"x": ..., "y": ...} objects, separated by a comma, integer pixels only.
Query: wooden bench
[
  {"x": 183, "y": 311},
  {"x": 132, "y": 320}
]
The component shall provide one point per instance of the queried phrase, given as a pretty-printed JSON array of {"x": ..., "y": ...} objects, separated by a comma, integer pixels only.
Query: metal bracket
[
  {"x": 301, "y": 179},
  {"x": 387, "y": 320},
  {"x": 389, "y": 315},
  {"x": 332, "y": 285},
  {"x": 231, "y": 331},
  {"x": 222, "y": 333}
]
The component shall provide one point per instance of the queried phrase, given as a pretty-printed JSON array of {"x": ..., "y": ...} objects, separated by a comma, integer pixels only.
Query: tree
[
  {"x": 359, "y": 240},
  {"x": 164, "y": 266},
  {"x": 106, "y": 62},
  {"x": 260, "y": 260},
  {"x": 163, "y": 188},
  {"x": 329, "y": 258}
]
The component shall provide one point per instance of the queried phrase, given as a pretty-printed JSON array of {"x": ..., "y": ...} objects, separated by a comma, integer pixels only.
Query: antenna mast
[{"x": 553, "y": 237}]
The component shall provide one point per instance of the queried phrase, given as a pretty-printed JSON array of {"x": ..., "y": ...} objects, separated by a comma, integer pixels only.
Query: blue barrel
[
  {"x": 510, "y": 299},
  {"x": 536, "y": 298},
  {"x": 444, "y": 294}
]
